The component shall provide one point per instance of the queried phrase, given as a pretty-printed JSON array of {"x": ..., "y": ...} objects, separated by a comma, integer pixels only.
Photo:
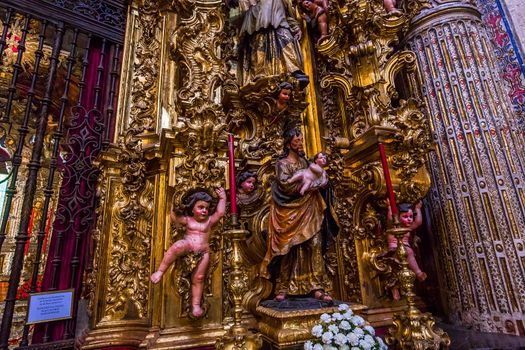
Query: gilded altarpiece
[{"x": 180, "y": 96}]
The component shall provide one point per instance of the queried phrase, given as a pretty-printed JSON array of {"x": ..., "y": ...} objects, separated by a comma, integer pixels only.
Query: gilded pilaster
[
  {"x": 119, "y": 292},
  {"x": 477, "y": 199}
]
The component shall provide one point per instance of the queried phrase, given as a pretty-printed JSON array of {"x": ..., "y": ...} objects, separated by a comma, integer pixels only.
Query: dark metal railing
[{"x": 63, "y": 130}]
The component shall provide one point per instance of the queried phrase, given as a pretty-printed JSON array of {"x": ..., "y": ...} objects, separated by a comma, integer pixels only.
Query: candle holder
[
  {"x": 412, "y": 329},
  {"x": 237, "y": 337}
]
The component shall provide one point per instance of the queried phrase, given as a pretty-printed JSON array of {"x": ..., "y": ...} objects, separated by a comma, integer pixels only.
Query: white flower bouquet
[{"x": 344, "y": 330}]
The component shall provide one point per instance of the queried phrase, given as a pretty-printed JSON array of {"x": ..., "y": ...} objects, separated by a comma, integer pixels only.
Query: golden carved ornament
[
  {"x": 132, "y": 211},
  {"x": 195, "y": 48}
]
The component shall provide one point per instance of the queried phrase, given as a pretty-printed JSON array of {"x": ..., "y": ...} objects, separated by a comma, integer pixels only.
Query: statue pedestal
[{"x": 288, "y": 328}]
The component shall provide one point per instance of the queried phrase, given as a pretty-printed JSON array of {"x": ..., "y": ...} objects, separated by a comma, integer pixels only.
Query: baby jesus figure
[
  {"x": 312, "y": 177},
  {"x": 195, "y": 217}
]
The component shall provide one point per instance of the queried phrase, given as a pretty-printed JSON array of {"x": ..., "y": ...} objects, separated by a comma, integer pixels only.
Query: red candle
[
  {"x": 231, "y": 158},
  {"x": 388, "y": 181}
]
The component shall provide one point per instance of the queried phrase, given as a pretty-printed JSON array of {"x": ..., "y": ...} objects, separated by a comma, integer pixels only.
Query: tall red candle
[
  {"x": 388, "y": 180},
  {"x": 233, "y": 190}
]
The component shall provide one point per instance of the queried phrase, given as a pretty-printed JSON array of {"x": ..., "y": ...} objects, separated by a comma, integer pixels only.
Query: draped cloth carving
[
  {"x": 268, "y": 40},
  {"x": 294, "y": 233}
]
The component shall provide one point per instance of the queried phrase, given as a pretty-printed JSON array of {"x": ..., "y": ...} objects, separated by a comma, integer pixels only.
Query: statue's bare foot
[
  {"x": 322, "y": 296},
  {"x": 421, "y": 276},
  {"x": 280, "y": 297},
  {"x": 321, "y": 38},
  {"x": 196, "y": 310},
  {"x": 156, "y": 277}
]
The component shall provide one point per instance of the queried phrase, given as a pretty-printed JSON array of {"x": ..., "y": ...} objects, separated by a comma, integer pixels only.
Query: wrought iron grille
[{"x": 58, "y": 87}]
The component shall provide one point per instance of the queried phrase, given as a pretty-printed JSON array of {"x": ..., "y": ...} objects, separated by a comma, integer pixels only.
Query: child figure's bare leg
[
  {"x": 178, "y": 248},
  {"x": 197, "y": 285},
  {"x": 322, "y": 26},
  {"x": 412, "y": 263}
]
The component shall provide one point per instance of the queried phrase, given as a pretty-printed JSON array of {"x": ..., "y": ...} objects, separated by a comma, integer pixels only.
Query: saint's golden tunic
[{"x": 294, "y": 234}]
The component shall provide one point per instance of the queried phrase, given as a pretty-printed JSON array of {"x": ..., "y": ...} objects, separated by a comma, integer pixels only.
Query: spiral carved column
[{"x": 477, "y": 203}]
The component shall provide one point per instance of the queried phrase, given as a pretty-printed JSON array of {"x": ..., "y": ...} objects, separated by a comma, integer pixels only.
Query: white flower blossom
[
  {"x": 329, "y": 347},
  {"x": 345, "y": 325},
  {"x": 382, "y": 345},
  {"x": 365, "y": 345},
  {"x": 326, "y": 318},
  {"x": 359, "y": 332},
  {"x": 333, "y": 328},
  {"x": 343, "y": 330},
  {"x": 340, "y": 339},
  {"x": 347, "y": 315},
  {"x": 369, "y": 339},
  {"x": 317, "y": 330},
  {"x": 370, "y": 329},
  {"x": 337, "y": 316},
  {"x": 357, "y": 320},
  {"x": 327, "y": 337},
  {"x": 343, "y": 307},
  {"x": 353, "y": 339}
]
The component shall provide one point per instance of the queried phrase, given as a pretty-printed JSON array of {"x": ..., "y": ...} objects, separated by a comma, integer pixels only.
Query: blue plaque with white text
[{"x": 50, "y": 306}]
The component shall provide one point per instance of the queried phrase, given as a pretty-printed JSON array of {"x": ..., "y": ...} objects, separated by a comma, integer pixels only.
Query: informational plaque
[{"x": 50, "y": 306}]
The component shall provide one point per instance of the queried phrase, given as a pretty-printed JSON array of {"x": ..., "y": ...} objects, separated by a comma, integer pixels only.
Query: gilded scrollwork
[
  {"x": 128, "y": 267},
  {"x": 195, "y": 47},
  {"x": 362, "y": 71},
  {"x": 89, "y": 291},
  {"x": 131, "y": 223},
  {"x": 192, "y": 44},
  {"x": 413, "y": 141}
]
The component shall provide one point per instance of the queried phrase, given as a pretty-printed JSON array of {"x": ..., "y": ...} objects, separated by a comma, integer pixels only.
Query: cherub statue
[
  {"x": 246, "y": 182},
  {"x": 407, "y": 218},
  {"x": 284, "y": 96},
  {"x": 312, "y": 177},
  {"x": 196, "y": 218},
  {"x": 246, "y": 188},
  {"x": 315, "y": 14}
]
